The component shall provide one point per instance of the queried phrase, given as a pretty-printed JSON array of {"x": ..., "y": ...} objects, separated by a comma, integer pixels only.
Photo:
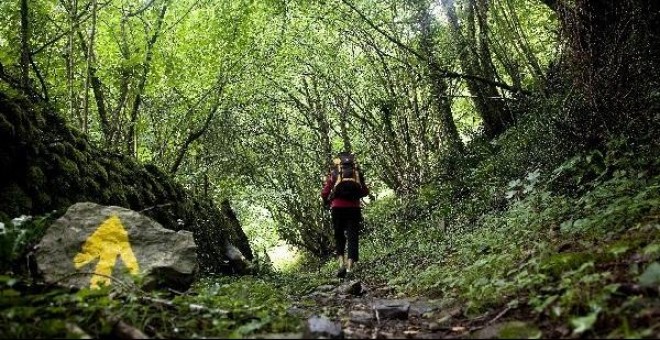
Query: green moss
[
  {"x": 61, "y": 201},
  {"x": 14, "y": 201},
  {"x": 98, "y": 171},
  {"x": 57, "y": 148},
  {"x": 134, "y": 198},
  {"x": 35, "y": 177},
  {"x": 105, "y": 196},
  {"x": 42, "y": 199},
  {"x": 518, "y": 330},
  {"x": 68, "y": 168},
  {"x": 6, "y": 128},
  {"x": 91, "y": 187},
  {"x": 77, "y": 156},
  {"x": 118, "y": 197}
]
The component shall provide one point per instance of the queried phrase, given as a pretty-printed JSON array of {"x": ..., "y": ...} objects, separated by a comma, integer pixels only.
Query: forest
[{"x": 510, "y": 148}]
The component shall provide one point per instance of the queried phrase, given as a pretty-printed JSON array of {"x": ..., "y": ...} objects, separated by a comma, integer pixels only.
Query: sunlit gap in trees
[
  {"x": 260, "y": 227},
  {"x": 283, "y": 256},
  {"x": 438, "y": 12}
]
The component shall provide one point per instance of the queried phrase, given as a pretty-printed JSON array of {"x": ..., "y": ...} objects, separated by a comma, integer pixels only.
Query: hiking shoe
[{"x": 341, "y": 273}]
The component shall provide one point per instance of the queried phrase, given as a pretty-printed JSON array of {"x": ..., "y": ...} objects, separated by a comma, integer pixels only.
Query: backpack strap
[{"x": 339, "y": 176}]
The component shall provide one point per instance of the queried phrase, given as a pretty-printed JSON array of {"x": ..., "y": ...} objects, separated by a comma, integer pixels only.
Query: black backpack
[{"x": 347, "y": 179}]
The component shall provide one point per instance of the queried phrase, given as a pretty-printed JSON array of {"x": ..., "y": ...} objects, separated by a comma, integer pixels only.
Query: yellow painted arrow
[{"x": 107, "y": 242}]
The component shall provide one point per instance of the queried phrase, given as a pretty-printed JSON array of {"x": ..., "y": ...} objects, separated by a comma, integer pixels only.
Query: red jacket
[{"x": 341, "y": 202}]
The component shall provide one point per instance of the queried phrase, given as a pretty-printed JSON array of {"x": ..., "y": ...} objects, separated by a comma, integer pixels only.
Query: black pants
[{"x": 347, "y": 222}]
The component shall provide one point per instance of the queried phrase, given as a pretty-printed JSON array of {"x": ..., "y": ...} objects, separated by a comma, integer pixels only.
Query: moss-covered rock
[
  {"x": 48, "y": 166},
  {"x": 6, "y": 128},
  {"x": 35, "y": 177},
  {"x": 13, "y": 200}
]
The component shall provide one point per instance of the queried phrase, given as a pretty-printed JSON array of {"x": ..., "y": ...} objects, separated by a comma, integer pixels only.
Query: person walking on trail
[{"x": 343, "y": 189}]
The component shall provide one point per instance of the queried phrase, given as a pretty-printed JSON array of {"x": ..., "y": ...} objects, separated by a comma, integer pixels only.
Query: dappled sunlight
[{"x": 284, "y": 257}]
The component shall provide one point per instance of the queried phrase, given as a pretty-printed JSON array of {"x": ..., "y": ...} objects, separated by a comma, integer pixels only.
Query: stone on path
[
  {"x": 361, "y": 317},
  {"x": 391, "y": 309},
  {"x": 352, "y": 288},
  {"x": 93, "y": 245},
  {"x": 320, "y": 327},
  {"x": 421, "y": 308}
]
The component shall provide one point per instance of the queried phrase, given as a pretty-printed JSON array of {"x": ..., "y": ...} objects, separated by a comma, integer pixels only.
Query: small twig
[
  {"x": 174, "y": 291},
  {"x": 122, "y": 330},
  {"x": 157, "y": 206},
  {"x": 375, "y": 334},
  {"x": 75, "y": 330},
  {"x": 498, "y": 316}
]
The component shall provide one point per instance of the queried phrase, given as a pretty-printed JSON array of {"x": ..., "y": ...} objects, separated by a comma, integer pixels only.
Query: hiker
[{"x": 343, "y": 189}]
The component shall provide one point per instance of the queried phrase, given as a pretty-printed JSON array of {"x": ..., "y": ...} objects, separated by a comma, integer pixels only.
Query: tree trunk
[
  {"x": 477, "y": 60},
  {"x": 449, "y": 133},
  {"x": 25, "y": 46},
  {"x": 70, "y": 62},
  {"x": 614, "y": 64},
  {"x": 132, "y": 138},
  {"x": 345, "y": 136},
  {"x": 97, "y": 88},
  {"x": 90, "y": 48}
]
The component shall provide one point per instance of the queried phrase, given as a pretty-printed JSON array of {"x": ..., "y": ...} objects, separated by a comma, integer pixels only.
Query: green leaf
[
  {"x": 651, "y": 275},
  {"x": 548, "y": 301},
  {"x": 652, "y": 249},
  {"x": 9, "y": 293},
  {"x": 250, "y": 327},
  {"x": 584, "y": 323},
  {"x": 618, "y": 250}
]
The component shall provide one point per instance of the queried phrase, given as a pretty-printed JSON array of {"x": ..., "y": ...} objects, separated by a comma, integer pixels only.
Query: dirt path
[{"x": 355, "y": 310}]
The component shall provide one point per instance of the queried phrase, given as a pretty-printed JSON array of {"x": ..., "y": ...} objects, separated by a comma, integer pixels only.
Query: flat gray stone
[
  {"x": 420, "y": 308},
  {"x": 391, "y": 309},
  {"x": 320, "y": 327},
  {"x": 361, "y": 317},
  {"x": 93, "y": 245}
]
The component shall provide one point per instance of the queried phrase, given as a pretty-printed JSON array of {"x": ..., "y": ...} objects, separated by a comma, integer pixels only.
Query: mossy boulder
[{"x": 48, "y": 166}]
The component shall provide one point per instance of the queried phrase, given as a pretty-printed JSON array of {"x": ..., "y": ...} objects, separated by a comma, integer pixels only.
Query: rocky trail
[{"x": 353, "y": 309}]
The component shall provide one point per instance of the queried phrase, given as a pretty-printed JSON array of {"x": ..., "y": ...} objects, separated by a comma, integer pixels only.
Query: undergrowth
[
  {"x": 577, "y": 246},
  {"x": 215, "y": 307}
]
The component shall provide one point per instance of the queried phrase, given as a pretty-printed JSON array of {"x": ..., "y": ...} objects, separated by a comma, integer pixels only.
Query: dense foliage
[
  {"x": 49, "y": 167},
  {"x": 511, "y": 144}
]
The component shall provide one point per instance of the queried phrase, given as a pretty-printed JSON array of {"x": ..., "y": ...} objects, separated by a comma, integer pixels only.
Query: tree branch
[
  {"x": 444, "y": 72},
  {"x": 195, "y": 135},
  {"x": 141, "y": 10},
  {"x": 62, "y": 34}
]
